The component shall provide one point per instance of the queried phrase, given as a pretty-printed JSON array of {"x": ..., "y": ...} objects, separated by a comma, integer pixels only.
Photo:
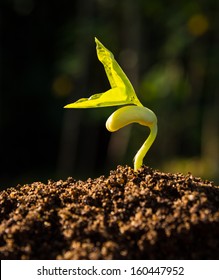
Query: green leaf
[{"x": 121, "y": 92}]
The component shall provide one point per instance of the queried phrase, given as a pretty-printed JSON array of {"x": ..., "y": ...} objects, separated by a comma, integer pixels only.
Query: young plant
[{"x": 121, "y": 93}]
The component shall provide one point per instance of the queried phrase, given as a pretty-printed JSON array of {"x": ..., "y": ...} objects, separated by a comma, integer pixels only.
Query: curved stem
[
  {"x": 138, "y": 114},
  {"x": 138, "y": 159}
]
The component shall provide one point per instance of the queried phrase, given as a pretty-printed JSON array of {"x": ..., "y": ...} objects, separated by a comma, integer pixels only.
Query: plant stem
[{"x": 138, "y": 159}]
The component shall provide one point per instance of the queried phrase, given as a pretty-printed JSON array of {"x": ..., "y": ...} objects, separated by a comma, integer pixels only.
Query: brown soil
[{"x": 127, "y": 215}]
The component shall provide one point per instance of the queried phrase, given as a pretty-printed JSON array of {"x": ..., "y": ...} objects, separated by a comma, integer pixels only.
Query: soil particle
[{"x": 127, "y": 215}]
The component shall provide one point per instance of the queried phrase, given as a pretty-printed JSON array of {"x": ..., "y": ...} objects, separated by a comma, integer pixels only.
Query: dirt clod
[{"x": 127, "y": 215}]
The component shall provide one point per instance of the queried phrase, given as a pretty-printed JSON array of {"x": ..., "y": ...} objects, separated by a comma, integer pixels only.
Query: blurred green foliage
[{"x": 168, "y": 49}]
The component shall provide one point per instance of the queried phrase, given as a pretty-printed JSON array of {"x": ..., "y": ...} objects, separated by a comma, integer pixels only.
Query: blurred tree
[{"x": 79, "y": 65}]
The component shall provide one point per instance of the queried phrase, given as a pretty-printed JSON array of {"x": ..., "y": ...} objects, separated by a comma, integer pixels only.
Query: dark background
[{"x": 169, "y": 51}]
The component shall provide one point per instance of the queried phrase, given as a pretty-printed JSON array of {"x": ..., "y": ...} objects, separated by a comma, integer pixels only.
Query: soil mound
[{"x": 127, "y": 215}]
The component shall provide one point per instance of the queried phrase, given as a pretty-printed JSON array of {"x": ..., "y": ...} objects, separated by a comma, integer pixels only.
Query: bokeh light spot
[
  {"x": 198, "y": 24},
  {"x": 62, "y": 86}
]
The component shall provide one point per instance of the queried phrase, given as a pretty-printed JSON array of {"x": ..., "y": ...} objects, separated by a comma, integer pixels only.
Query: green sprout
[{"x": 121, "y": 93}]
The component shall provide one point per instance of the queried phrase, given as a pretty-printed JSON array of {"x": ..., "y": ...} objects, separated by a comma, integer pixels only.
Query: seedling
[{"x": 121, "y": 93}]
